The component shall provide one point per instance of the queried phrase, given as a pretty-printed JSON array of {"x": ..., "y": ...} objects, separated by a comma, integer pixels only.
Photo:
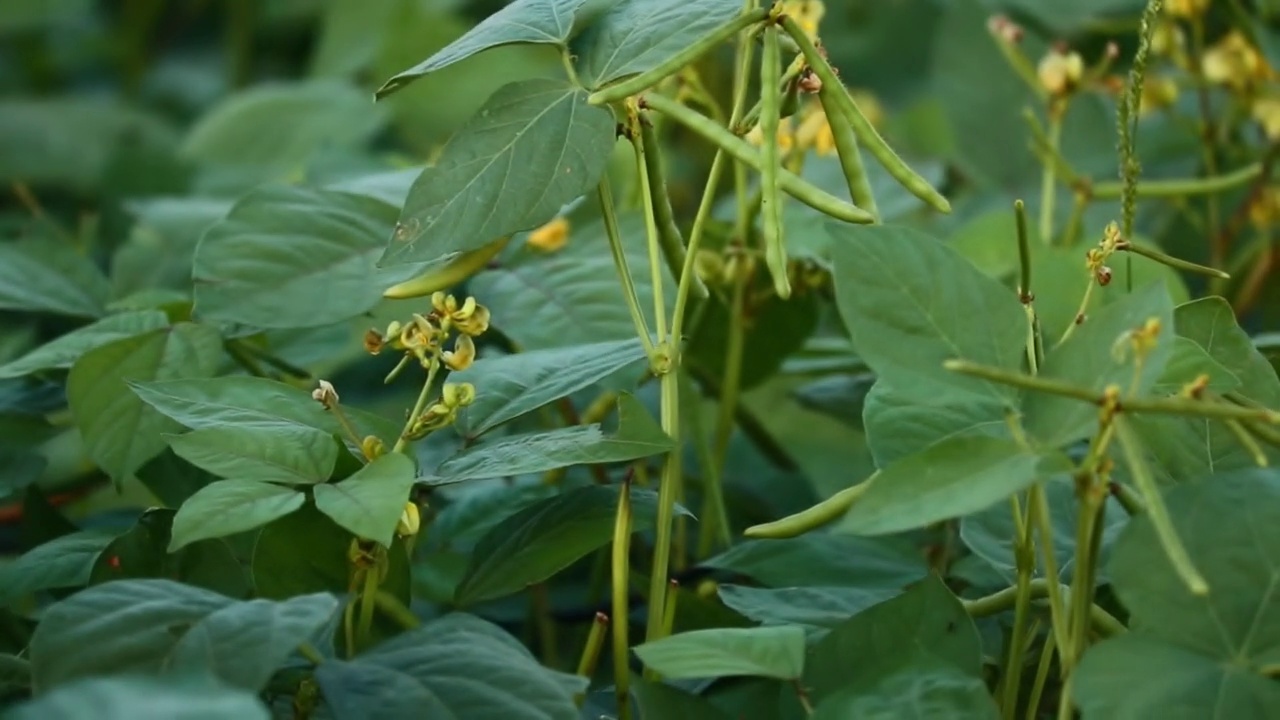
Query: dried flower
[
  {"x": 325, "y": 394},
  {"x": 374, "y": 341}
]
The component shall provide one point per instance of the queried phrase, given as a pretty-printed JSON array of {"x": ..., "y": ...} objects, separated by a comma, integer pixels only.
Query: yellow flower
[
  {"x": 1166, "y": 37},
  {"x": 462, "y": 355},
  {"x": 815, "y": 132},
  {"x": 410, "y": 520},
  {"x": 1233, "y": 61},
  {"x": 1060, "y": 72},
  {"x": 1157, "y": 93},
  {"x": 807, "y": 14},
  {"x": 1186, "y": 8},
  {"x": 786, "y": 137},
  {"x": 1266, "y": 110},
  {"x": 550, "y": 237}
]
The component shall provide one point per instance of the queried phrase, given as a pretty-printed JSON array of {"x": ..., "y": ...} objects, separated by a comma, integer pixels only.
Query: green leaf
[
  {"x": 572, "y": 296},
  {"x": 660, "y": 701},
  {"x": 15, "y": 675},
  {"x": 534, "y": 146},
  {"x": 949, "y": 479},
  {"x": 1095, "y": 356},
  {"x": 776, "y": 652},
  {"x": 370, "y": 502},
  {"x": 288, "y": 257},
  {"x": 924, "y": 689},
  {"x": 60, "y": 563},
  {"x": 162, "y": 243},
  {"x": 823, "y": 559},
  {"x": 546, "y": 537},
  {"x": 279, "y": 126},
  {"x": 512, "y": 385},
  {"x": 523, "y": 21},
  {"x": 632, "y": 37},
  {"x": 120, "y": 431},
  {"x": 1189, "y": 361},
  {"x": 283, "y": 454},
  {"x": 927, "y": 617},
  {"x": 901, "y": 423},
  {"x": 63, "y": 351},
  {"x": 911, "y": 302},
  {"x": 638, "y": 436},
  {"x": 1188, "y": 655},
  {"x": 143, "y": 552},
  {"x": 1212, "y": 324},
  {"x": 990, "y": 533},
  {"x": 227, "y": 507},
  {"x": 49, "y": 275},
  {"x": 306, "y": 552},
  {"x": 456, "y": 666},
  {"x": 812, "y": 607},
  {"x": 244, "y": 644},
  {"x": 251, "y": 403},
  {"x": 116, "y": 628},
  {"x": 142, "y": 698}
]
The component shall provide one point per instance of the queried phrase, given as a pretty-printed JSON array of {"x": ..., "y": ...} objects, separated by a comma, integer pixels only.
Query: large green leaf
[
  {"x": 926, "y": 688},
  {"x": 116, "y": 628},
  {"x": 632, "y": 37},
  {"x": 512, "y": 385},
  {"x": 572, "y": 296},
  {"x": 902, "y": 423},
  {"x": 120, "y": 431},
  {"x": 288, "y": 257},
  {"x": 1212, "y": 324},
  {"x": 823, "y": 559},
  {"x": 143, "y": 552},
  {"x": 283, "y": 454},
  {"x": 142, "y": 698},
  {"x": 370, "y": 502},
  {"x": 1095, "y": 356},
  {"x": 49, "y": 275},
  {"x": 1189, "y": 655},
  {"x": 227, "y": 507},
  {"x": 162, "y": 243},
  {"x": 660, "y": 701},
  {"x": 534, "y": 146},
  {"x": 64, "y": 350},
  {"x": 637, "y": 436},
  {"x": 911, "y": 302},
  {"x": 523, "y": 21},
  {"x": 251, "y": 403},
  {"x": 813, "y": 607},
  {"x": 949, "y": 479},
  {"x": 927, "y": 617},
  {"x": 244, "y": 644},
  {"x": 546, "y": 537},
  {"x": 776, "y": 652},
  {"x": 456, "y": 666},
  {"x": 60, "y": 563},
  {"x": 278, "y": 126},
  {"x": 1188, "y": 362}
]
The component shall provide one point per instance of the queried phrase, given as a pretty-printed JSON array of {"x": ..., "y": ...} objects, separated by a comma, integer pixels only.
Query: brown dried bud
[
  {"x": 809, "y": 81},
  {"x": 1103, "y": 274}
]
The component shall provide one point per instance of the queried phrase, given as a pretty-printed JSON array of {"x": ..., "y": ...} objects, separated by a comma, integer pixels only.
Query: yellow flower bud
[
  {"x": 1186, "y": 8},
  {"x": 1233, "y": 61},
  {"x": 462, "y": 355},
  {"x": 410, "y": 520},
  {"x": 1266, "y": 111},
  {"x": 372, "y": 447},
  {"x": 550, "y": 237},
  {"x": 1157, "y": 93},
  {"x": 1060, "y": 72}
]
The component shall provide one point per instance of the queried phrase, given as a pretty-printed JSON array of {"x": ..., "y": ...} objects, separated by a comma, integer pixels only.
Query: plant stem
[
  {"x": 732, "y": 374},
  {"x": 566, "y": 59},
  {"x": 591, "y": 651},
  {"x": 1038, "y": 514},
  {"x": 394, "y": 609},
  {"x": 1048, "y": 191},
  {"x": 1042, "y": 677},
  {"x": 1173, "y": 262},
  {"x": 419, "y": 405},
  {"x": 673, "y": 250},
  {"x": 620, "y": 265},
  {"x": 1181, "y": 187},
  {"x": 1025, "y": 562},
  {"x": 1082, "y": 577},
  {"x": 620, "y": 575}
]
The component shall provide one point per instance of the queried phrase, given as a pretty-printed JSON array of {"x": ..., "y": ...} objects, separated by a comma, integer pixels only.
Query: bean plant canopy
[{"x": 639, "y": 359}]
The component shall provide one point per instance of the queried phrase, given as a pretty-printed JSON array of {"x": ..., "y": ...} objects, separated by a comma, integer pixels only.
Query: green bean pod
[
  {"x": 669, "y": 237},
  {"x": 675, "y": 63},
  {"x": 861, "y": 126},
  {"x": 824, "y": 513},
  {"x": 855, "y": 174},
  {"x": 789, "y": 182},
  {"x": 775, "y": 249}
]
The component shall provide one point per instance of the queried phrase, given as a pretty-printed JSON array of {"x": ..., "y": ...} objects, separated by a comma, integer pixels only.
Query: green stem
[
  {"x": 673, "y": 250},
  {"x": 1025, "y": 562},
  {"x": 1048, "y": 190},
  {"x": 1042, "y": 678},
  {"x": 1103, "y": 623},
  {"x": 1024, "y": 251},
  {"x": 789, "y": 182},
  {"x": 620, "y": 576},
  {"x": 1038, "y": 512},
  {"x": 1173, "y": 262},
  {"x": 566, "y": 59},
  {"x": 591, "y": 652},
  {"x": 367, "y": 597},
  {"x": 654, "y": 243},
  {"x": 394, "y": 609},
  {"x": 1083, "y": 574},
  {"x": 620, "y": 265},
  {"x": 419, "y": 405},
  {"x": 732, "y": 375},
  {"x": 677, "y": 62},
  {"x": 715, "y": 519}
]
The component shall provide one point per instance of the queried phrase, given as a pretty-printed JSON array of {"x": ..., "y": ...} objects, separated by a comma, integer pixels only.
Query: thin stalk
[
  {"x": 1042, "y": 678},
  {"x": 1181, "y": 187},
  {"x": 1082, "y": 577},
  {"x": 667, "y": 491},
  {"x": 591, "y": 652},
  {"x": 1079, "y": 203},
  {"x": 732, "y": 375},
  {"x": 1038, "y": 512},
  {"x": 1080, "y": 312},
  {"x": 545, "y": 623},
  {"x": 419, "y": 405},
  {"x": 1173, "y": 262},
  {"x": 367, "y": 599},
  {"x": 1103, "y": 623},
  {"x": 1025, "y": 561},
  {"x": 1048, "y": 191},
  {"x": 610, "y": 217},
  {"x": 621, "y": 572},
  {"x": 715, "y": 520},
  {"x": 1024, "y": 251}
]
